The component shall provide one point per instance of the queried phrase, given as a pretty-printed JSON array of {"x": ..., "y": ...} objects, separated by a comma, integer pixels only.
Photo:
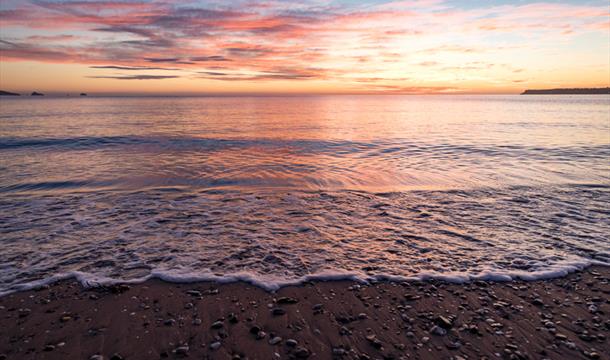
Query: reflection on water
[{"x": 281, "y": 188}]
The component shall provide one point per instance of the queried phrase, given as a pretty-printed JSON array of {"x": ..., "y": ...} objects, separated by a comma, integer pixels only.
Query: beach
[
  {"x": 356, "y": 227},
  {"x": 363, "y": 179},
  {"x": 561, "y": 318}
]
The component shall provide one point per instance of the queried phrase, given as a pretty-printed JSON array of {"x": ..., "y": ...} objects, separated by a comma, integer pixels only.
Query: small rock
[
  {"x": 194, "y": 293},
  {"x": 362, "y": 316},
  {"x": 302, "y": 353},
  {"x": 49, "y": 348},
  {"x": 437, "y": 330},
  {"x": 96, "y": 357},
  {"x": 169, "y": 322},
  {"x": 276, "y": 340},
  {"x": 291, "y": 343},
  {"x": 182, "y": 350},
  {"x": 454, "y": 345},
  {"x": 217, "y": 325},
  {"x": 287, "y": 300},
  {"x": 116, "y": 356},
  {"x": 338, "y": 351},
  {"x": 215, "y": 345},
  {"x": 255, "y": 329},
  {"x": 278, "y": 311},
  {"x": 537, "y": 302},
  {"x": 372, "y": 339},
  {"x": 444, "y": 322},
  {"x": 233, "y": 318}
]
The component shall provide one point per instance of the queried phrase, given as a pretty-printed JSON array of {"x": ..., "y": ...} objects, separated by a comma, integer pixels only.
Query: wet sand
[{"x": 565, "y": 318}]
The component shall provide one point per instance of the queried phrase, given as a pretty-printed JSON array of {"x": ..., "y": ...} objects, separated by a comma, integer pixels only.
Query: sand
[{"x": 565, "y": 318}]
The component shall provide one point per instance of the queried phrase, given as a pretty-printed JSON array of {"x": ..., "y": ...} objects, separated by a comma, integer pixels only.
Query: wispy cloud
[
  {"x": 135, "y": 77},
  {"x": 132, "y": 68},
  {"x": 323, "y": 40}
]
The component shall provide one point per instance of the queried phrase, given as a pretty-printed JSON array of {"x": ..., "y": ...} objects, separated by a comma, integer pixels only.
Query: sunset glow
[{"x": 322, "y": 46}]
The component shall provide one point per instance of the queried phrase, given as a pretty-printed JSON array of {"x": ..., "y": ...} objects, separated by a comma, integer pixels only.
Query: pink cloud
[{"x": 270, "y": 41}]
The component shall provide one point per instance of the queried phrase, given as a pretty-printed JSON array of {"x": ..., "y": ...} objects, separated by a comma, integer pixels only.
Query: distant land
[
  {"x": 8, "y": 93},
  {"x": 573, "y": 91},
  {"x": 37, "y": 94}
]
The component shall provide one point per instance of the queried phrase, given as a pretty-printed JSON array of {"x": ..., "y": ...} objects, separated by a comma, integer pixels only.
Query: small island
[
  {"x": 8, "y": 93},
  {"x": 83, "y": 94},
  {"x": 569, "y": 91},
  {"x": 36, "y": 94}
]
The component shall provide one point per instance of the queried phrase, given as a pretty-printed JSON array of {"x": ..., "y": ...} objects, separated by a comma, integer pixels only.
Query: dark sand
[{"x": 564, "y": 318}]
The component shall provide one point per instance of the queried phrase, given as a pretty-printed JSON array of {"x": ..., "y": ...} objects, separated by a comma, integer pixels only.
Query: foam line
[{"x": 273, "y": 284}]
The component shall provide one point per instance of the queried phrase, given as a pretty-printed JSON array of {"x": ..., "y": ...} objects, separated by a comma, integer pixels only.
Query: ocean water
[{"x": 277, "y": 190}]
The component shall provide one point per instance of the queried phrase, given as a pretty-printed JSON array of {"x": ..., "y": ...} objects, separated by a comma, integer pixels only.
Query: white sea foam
[{"x": 272, "y": 283}]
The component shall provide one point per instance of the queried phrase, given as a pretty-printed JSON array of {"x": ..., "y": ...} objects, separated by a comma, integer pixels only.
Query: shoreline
[
  {"x": 91, "y": 281},
  {"x": 565, "y": 317}
]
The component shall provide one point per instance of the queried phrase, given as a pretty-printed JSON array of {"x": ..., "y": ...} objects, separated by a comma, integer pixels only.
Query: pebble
[
  {"x": 276, "y": 340},
  {"x": 194, "y": 293},
  {"x": 49, "y": 348},
  {"x": 338, "y": 351},
  {"x": 217, "y": 325},
  {"x": 291, "y": 343},
  {"x": 215, "y": 345},
  {"x": 444, "y": 322},
  {"x": 24, "y": 312},
  {"x": 278, "y": 311},
  {"x": 372, "y": 339},
  {"x": 169, "y": 322},
  {"x": 454, "y": 345},
  {"x": 437, "y": 330},
  {"x": 302, "y": 353},
  {"x": 182, "y": 350},
  {"x": 255, "y": 329},
  {"x": 116, "y": 356},
  {"x": 233, "y": 319},
  {"x": 96, "y": 357},
  {"x": 287, "y": 300}
]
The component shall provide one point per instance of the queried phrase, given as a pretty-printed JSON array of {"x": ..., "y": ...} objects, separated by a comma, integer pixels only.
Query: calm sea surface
[{"x": 277, "y": 190}]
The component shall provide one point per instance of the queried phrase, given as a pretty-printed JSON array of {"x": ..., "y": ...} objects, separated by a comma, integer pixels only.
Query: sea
[{"x": 275, "y": 191}]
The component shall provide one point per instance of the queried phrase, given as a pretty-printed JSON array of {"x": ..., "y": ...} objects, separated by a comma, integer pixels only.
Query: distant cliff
[
  {"x": 574, "y": 91},
  {"x": 7, "y": 93}
]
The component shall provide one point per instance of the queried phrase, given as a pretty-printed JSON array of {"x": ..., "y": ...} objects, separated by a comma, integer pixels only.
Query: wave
[
  {"x": 272, "y": 284},
  {"x": 389, "y": 147}
]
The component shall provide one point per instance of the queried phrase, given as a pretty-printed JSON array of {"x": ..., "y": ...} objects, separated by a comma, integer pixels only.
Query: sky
[{"x": 302, "y": 47}]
